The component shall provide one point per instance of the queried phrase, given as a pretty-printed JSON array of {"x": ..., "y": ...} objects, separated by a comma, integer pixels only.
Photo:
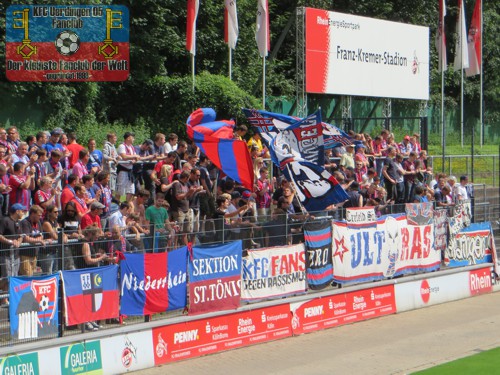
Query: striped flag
[
  {"x": 192, "y": 15},
  {"x": 461, "y": 53},
  {"x": 441, "y": 38},
  {"x": 474, "y": 42},
  {"x": 262, "y": 31},
  {"x": 230, "y": 23}
]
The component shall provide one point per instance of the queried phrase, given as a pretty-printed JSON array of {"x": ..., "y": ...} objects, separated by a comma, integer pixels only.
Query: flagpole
[
  {"x": 230, "y": 62},
  {"x": 462, "y": 104},
  {"x": 481, "y": 123},
  {"x": 264, "y": 83},
  {"x": 192, "y": 70},
  {"x": 443, "y": 133}
]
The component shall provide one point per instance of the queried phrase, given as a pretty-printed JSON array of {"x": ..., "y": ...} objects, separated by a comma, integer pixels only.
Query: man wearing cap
[
  {"x": 125, "y": 180},
  {"x": 53, "y": 142},
  {"x": 347, "y": 159},
  {"x": 93, "y": 217},
  {"x": 405, "y": 146},
  {"x": 10, "y": 240}
]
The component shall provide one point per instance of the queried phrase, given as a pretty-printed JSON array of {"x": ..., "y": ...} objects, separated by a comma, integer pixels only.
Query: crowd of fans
[{"x": 163, "y": 193}]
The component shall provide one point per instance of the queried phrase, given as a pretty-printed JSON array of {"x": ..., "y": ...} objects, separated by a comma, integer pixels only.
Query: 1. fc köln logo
[{"x": 45, "y": 292}]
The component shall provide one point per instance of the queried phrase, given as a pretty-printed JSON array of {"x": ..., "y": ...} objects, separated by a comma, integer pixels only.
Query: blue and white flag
[
  {"x": 269, "y": 124},
  {"x": 316, "y": 188}
]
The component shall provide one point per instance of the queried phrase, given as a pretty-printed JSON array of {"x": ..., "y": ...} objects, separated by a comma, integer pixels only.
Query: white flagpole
[
  {"x": 462, "y": 104},
  {"x": 264, "y": 83},
  {"x": 230, "y": 63},
  {"x": 481, "y": 123},
  {"x": 192, "y": 71},
  {"x": 443, "y": 136}
]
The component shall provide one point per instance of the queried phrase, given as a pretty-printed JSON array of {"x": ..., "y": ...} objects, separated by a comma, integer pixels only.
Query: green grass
[{"x": 487, "y": 362}]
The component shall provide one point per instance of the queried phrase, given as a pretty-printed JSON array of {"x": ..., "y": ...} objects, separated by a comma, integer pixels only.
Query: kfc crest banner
[
  {"x": 91, "y": 294},
  {"x": 318, "y": 245},
  {"x": 33, "y": 306},
  {"x": 144, "y": 284},
  {"x": 274, "y": 272},
  {"x": 214, "y": 277}
]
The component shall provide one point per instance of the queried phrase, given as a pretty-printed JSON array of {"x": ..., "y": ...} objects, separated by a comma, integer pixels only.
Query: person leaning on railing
[
  {"x": 10, "y": 240},
  {"x": 31, "y": 227}
]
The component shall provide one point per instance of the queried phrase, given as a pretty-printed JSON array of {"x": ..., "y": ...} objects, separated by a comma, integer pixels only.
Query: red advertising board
[
  {"x": 480, "y": 281},
  {"x": 331, "y": 311},
  {"x": 205, "y": 336}
]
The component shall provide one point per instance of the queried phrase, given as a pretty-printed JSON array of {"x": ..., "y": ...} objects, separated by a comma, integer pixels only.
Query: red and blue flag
[
  {"x": 91, "y": 294},
  {"x": 144, "y": 284},
  {"x": 215, "y": 140}
]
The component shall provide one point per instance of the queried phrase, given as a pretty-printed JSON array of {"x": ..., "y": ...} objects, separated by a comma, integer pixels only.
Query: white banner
[
  {"x": 274, "y": 272},
  {"x": 366, "y": 251},
  {"x": 352, "y": 55}
]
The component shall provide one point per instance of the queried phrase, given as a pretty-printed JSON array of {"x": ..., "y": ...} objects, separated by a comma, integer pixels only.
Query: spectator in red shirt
[
  {"x": 79, "y": 200},
  {"x": 93, "y": 217},
  {"x": 74, "y": 148},
  {"x": 68, "y": 192}
]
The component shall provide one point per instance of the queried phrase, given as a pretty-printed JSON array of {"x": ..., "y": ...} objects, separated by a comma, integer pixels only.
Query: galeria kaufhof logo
[{"x": 67, "y": 43}]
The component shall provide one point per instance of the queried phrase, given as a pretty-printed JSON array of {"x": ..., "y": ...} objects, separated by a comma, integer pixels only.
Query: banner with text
[
  {"x": 53, "y": 43},
  {"x": 471, "y": 245},
  {"x": 353, "y": 55},
  {"x": 144, "y": 284},
  {"x": 274, "y": 272},
  {"x": 365, "y": 249},
  {"x": 345, "y": 308},
  {"x": 214, "y": 277},
  {"x": 215, "y": 334},
  {"x": 318, "y": 244}
]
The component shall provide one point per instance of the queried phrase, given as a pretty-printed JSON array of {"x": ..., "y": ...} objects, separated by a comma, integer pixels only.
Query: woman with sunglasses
[
  {"x": 70, "y": 223},
  {"x": 47, "y": 256}
]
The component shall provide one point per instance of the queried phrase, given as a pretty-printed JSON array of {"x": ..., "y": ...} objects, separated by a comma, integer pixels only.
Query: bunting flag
[
  {"x": 230, "y": 23},
  {"x": 262, "y": 30},
  {"x": 474, "y": 42},
  {"x": 192, "y": 15},
  {"x": 441, "y": 38},
  {"x": 215, "y": 140},
  {"x": 268, "y": 124},
  {"x": 316, "y": 188},
  {"x": 91, "y": 294},
  {"x": 461, "y": 53}
]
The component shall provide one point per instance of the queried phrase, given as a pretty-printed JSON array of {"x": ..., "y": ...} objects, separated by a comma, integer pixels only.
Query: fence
[{"x": 66, "y": 253}]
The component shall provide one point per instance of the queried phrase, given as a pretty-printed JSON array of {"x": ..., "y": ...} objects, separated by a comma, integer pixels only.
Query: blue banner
[
  {"x": 33, "y": 306},
  {"x": 318, "y": 241},
  {"x": 177, "y": 283},
  {"x": 215, "y": 277}
]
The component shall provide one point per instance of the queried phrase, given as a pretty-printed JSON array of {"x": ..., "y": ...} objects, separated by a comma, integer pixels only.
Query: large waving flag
[
  {"x": 461, "y": 53},
  {"x": 91, "y": 294},
  {"x": 441, "y": 38},
  {"x": 474, "y": 42},
  {"x": 230, "y": 23},
  {"x": 262, "y": 30},
  {"x": 231, "y": 156},
  {"x": 192, "y": 15},
  {"x": 316, "y": 188},
  {"x": 268, "y": 124}
]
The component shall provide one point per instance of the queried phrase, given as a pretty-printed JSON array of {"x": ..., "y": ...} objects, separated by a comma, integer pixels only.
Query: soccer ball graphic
[
  {"x": 67, "y": 42},
  {"x": 44, "y": 303}
]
